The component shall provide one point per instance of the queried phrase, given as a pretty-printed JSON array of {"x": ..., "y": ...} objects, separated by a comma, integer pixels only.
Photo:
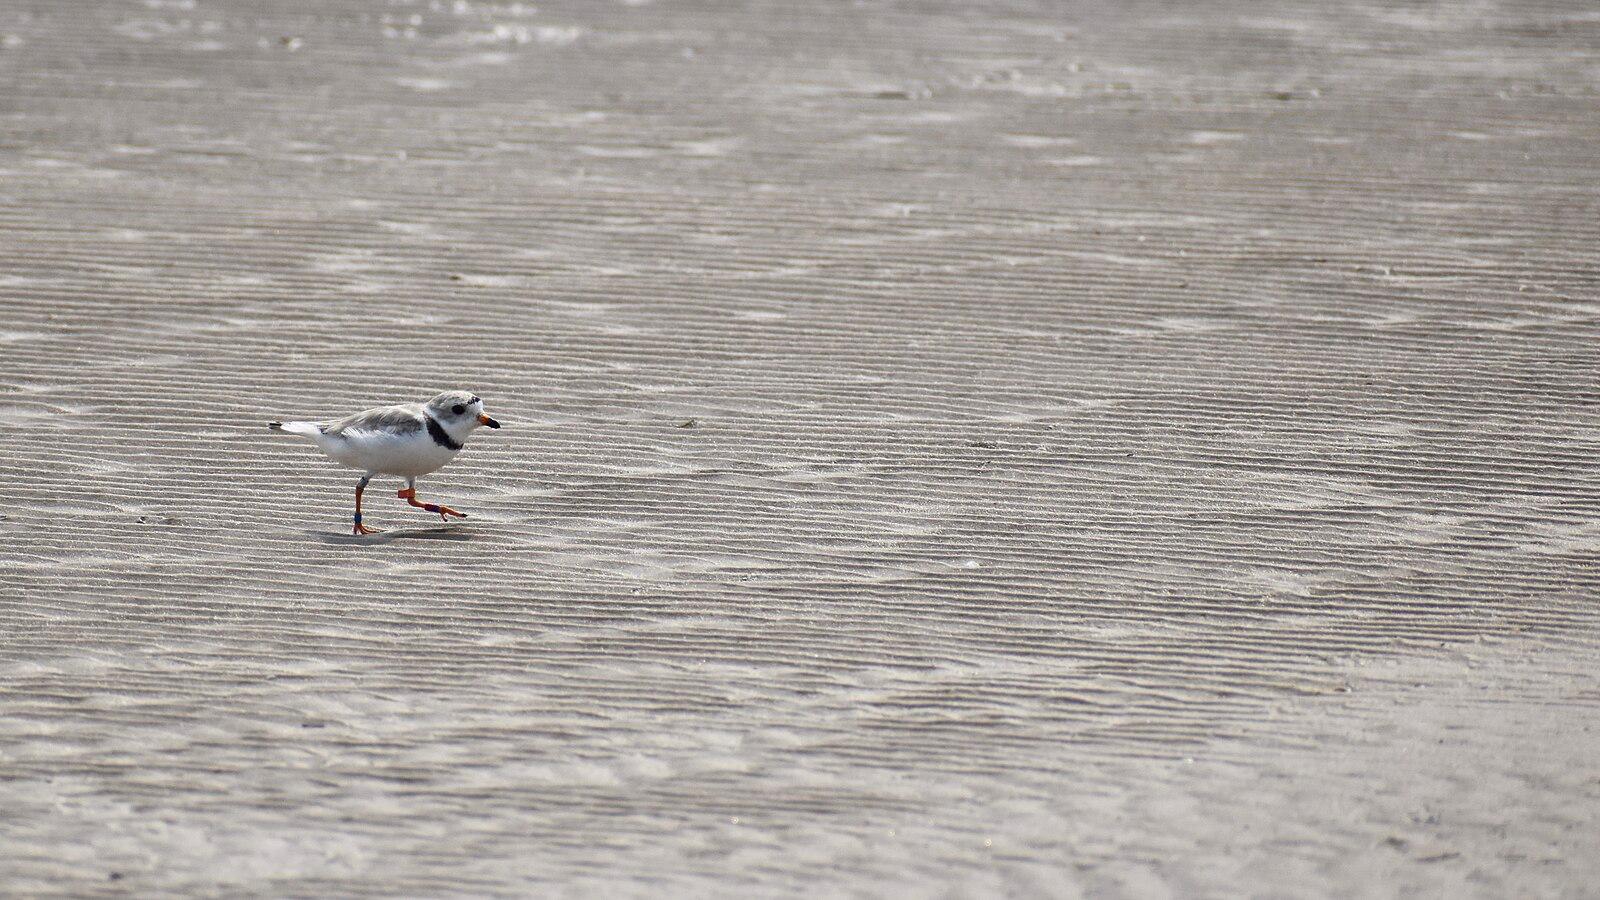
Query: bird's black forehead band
[{"x": 474, "y": 400}]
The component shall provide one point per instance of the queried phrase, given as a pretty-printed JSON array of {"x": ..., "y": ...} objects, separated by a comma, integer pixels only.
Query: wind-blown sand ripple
[{"x": 972, "y": 449}]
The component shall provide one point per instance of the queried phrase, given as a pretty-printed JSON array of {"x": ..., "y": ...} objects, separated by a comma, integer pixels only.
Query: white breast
[{"x": 409, "y": 455}]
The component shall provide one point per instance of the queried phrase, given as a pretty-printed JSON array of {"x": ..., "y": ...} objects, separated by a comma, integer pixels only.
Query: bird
[{"x": 409, "y": 440}]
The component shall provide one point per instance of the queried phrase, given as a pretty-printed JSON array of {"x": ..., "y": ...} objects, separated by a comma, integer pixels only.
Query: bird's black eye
[{"x": 458, "y": 409}]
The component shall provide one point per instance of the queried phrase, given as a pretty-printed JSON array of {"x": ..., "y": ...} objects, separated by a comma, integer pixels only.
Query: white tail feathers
[{"x": 309, "y": 429}]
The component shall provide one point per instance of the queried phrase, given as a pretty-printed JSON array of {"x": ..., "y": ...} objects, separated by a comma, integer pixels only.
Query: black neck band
[{"x": 440, "y": 436}]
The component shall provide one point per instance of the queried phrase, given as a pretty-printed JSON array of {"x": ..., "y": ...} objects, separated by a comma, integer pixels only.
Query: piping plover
[{"x": 408, "y": 440}]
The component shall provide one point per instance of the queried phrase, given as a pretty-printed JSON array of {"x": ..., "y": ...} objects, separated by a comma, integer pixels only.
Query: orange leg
[
  {"x": 409, "y": 494},
  {"x": 360, "y": 528}
]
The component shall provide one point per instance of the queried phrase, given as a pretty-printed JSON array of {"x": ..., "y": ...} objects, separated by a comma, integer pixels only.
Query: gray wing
[{"x": 392, "y": 419}]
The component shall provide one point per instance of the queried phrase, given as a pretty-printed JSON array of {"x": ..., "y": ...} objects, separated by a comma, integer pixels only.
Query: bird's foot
[
  {"x": 362, "y": 529},
  {"x": 410, "y": 496}
]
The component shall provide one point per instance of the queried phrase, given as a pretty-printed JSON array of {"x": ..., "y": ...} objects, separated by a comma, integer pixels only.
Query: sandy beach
[{"x": 951, "y": 449}]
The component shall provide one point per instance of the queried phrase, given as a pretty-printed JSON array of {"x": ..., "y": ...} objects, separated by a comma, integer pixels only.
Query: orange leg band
[{"x": 410, "y": 496}]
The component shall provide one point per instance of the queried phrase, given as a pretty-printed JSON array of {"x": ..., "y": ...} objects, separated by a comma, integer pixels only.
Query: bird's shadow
[{"x": 453, "y": 533}]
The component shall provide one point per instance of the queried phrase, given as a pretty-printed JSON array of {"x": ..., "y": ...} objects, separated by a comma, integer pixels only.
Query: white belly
[{"x": 409, "y": 456}]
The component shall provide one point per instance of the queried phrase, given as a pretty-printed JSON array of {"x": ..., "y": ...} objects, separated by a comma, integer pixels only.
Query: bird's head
[{"x": 459, "y": 412}]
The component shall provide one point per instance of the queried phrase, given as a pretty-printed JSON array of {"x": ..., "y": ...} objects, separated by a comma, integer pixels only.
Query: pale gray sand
[{"x": 1135, "y": 450}]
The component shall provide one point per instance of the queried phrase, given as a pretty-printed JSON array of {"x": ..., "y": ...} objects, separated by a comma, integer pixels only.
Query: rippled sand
[{"x": 951, "y": 449}]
